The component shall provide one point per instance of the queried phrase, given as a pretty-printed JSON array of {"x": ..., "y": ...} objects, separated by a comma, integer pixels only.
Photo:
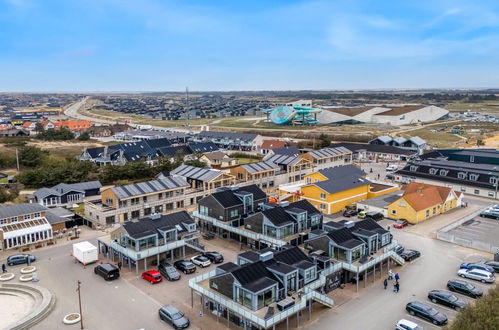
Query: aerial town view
[{"x": 247, "y": 165}]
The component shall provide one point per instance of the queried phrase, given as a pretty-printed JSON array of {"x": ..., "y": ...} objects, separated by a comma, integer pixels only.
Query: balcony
[{"x": 134, "y": 255}]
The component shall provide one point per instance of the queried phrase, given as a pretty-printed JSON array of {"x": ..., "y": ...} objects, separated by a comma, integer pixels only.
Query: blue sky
[{"x": 153, "y": 45}]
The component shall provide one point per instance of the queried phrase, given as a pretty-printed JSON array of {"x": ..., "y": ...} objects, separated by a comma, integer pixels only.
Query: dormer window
[
  {"x": 443, "y": 172},
  {"x": 433, "y": 171},
  {"x": 461, "y": 175},
  {"x": 413, "y": 168},
  {"x": 494, "y": 180},
  {"x": 474, "y": 177}
]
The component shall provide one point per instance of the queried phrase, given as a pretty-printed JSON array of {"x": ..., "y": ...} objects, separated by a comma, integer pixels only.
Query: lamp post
[{"x": 79, "y": 303}]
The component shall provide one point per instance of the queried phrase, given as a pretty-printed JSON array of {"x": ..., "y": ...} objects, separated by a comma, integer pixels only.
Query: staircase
[
  {"x": 398, "y": 259},
  {"x": 323, "y": 299},
  {"x": 195, "y": 246}
]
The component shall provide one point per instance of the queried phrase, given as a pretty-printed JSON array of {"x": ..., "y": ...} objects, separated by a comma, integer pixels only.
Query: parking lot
[{"x": 477, "y": 232}]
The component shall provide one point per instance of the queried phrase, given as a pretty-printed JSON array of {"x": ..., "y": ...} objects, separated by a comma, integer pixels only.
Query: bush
[
  {"x": 31, "y": 156},
  {"x": 62, "y": 134},
  {"x": 84, "y": 136},
  {"x": 483, "y": 315}
]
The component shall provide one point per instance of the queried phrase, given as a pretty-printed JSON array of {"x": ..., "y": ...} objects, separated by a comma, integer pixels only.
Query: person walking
[
  {"x": 4, "y": 268},
  {"x": 119, "y": 265},
  {"x": 385, "y": 283},
  {"x": 394, "y": 286},
  {"x": 397, "y": 287},
  {"x": 397, "y": 277},
  {"x": 390, "y": 275}
]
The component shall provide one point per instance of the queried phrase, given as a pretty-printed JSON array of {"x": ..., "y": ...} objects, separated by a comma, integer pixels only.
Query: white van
[{"x": 391, "y": 168}]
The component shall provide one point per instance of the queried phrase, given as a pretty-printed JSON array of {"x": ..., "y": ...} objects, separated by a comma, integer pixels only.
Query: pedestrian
[
  {"x": 378, "y": 176},
  {"x": 385, "y": 283},
  {"x": 119, "y": 265},
  {"x": 390, "y": 275},
  {"x": 4, "y": 268},
  {"x": 397, "y": 287},
  {"x": 397, "y": 277},
  {"x": 394, "y": 287}
]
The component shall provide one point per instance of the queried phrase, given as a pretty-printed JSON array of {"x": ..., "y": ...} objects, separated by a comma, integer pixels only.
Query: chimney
[
  {"x": 420, "y": 190},
  {"x": 267, "y": 256}
]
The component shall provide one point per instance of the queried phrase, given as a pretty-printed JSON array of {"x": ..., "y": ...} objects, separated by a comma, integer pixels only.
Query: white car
[
  {"x": 477, "y": 274},
  {"x": 408, "y": 325},
  {"x": 201, "y": 261},
  {"x": 392, "y": 168}
]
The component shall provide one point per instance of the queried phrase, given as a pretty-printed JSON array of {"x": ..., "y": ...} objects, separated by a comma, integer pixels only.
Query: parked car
[
  {"x": 376, "y": 216},
  {"x": 152, "y": 276},
  {"x": 214, "y": 257},
  {"x": 174, "y": 317},
  {"x": 362, "y": 214},
  {"x": 465, "y": 288},
  {"x": 477, "y": 275},
  {"x": 391, "y": 168},
  {"x": 390, "y": 176},
  {"x": 446, "y": 298},
  {"x": 407, "y": 325},
  {"x": 201, "y": 261},
  {"x": 410, "y": 255},
  {"x": 493, "y": 264},
  {"x": 400, "y": 224},
  {"x": 185, "y": 266},
  {"x": 350, "y": 213},
  {"x": 477, "y": 265},
  {"x": 108, "y": 272},
  {"x": 168, "y": 271},
  {"x": 427, "y": 312},
  {"x": 399, "y": 249},
  {"x": 18, "y": 259}
]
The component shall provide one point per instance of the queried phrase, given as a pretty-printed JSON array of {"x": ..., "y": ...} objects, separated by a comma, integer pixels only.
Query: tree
[
  {"x": 62, "y": 134},
  {"x": 31, "y": 156},
  {"x": 6, "y": 195},
  {"x": 324, "y": 141},
  {"x": 84, "y": 136},
  {"x": 39, "y": 128},
  {"x": 195, "y": 163}
]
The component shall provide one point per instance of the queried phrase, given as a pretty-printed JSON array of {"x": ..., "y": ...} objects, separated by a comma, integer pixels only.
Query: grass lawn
[{"x": 243, "y": 161}]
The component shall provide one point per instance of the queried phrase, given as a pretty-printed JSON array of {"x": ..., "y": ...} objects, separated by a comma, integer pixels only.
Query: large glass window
[
  {"x": 266, "y": 298},
  {"x": 244, "y": 298}
]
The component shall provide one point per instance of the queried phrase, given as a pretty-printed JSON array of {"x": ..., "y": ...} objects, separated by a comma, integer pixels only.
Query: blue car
[{"x": 477, "y": 265}]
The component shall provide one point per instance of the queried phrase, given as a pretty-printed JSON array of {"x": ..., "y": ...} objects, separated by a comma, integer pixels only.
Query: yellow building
[
  {"x": 330, "y": 190},
  {"x": 422, "y": 201}
]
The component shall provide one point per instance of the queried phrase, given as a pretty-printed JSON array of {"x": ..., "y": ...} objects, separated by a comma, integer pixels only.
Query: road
[
  {"x": 106, "y": 305},
  {"x": 379, "y": 309},
  {"x": 73, "y": 112}
]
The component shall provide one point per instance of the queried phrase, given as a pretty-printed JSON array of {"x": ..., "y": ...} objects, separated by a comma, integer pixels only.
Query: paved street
[{"x": 379, "y": 309}]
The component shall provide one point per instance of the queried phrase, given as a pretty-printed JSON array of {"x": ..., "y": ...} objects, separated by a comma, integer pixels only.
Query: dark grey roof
[
  {"x": 334, "y": 186},
  {"x": 136, "y": 189},
  {"x": 303, "y": 264},
  {"x": 344, "y": 237},
  {"x": 260, "y": 166},
  {"x": 45, "y": 192},
  {"x": 250, "y": 255},
  {"x": 340, "y": 172},
  {"x": 64, "y": 188},
  {"x": 228, "y": 135},
  {"x": 384, "y": 200},
  {"x": 328, "y": 152},
  {"x": 278, "y": 216},
  {"x": 196, "y": 173},
  {"x": 54, "y": 219},
  {"x": 228, "y": 267},
  {"x": 377, "y": 148},
  {"x": 148, "y": 226},
  {"x": 280, "y": 267},
  {"x": 228, "y": 197},
  {"x": 333, "y": 224},
  {"x": 202, "y": 147},
  {"x": 291, "y": 256},
  {"x": 259, "y": 284},
  {"x": 254, "y": 276},
  {"x": 287, "y": 151},
  {"x": 61, "y": 212},
  {"x": 282, "y": 159},
  {"x": 304, "y": 205},
  {"x": 7, "y": 211}
]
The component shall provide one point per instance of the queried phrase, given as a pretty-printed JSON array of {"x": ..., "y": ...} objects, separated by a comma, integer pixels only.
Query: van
[{"x": 107, "y": 271}]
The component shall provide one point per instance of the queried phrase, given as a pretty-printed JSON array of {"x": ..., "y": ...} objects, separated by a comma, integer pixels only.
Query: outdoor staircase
[
  {"x": 323, "y": 299},
  {"x": 395, "y": 257},
  {"x": 195, "y": 246}
]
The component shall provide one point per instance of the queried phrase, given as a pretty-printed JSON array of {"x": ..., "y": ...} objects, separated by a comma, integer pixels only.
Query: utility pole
[
  {"x": 79, "y": 302},
  {"x": 187, "y": 104},
  {"x": 17, "y": 159}
]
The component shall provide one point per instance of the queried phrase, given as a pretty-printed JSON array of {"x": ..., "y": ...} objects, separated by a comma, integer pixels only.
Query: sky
[{"x": 161, "y": 45}]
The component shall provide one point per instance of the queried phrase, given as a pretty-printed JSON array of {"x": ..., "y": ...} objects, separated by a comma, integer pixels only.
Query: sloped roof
[
  {"x": 216, "y": 155},
  {"x": 228, "y": 198},
  {"x": 417, "y": 140},
  {"x": 381, "y": 148},
  {"x": 196, "y": 173},
  {"x": 81, "y": 186},
  {"x": 7, "y": 211},
  {"x": 229, "y": 135},
  {"x": 328, "y": 152},
  {"x": 147, "y": 226},
  {"x": 254, "y": 276},
  {"x": 278, "y": 216},
  {"x": 202, "y": 147},
  {"x": 260, "y": 166},
  {"x": 337, "y": 185},
  {"x": 273, "y": 144},
  {"x": 422, "y": 196},
  {"x": 137, "y": 189},
  {"x": 286, "y": 151},
  {"x": 303, "y": 205},
  {"x": 340, "y": 172},
  {"x": 282, "y": 159}
]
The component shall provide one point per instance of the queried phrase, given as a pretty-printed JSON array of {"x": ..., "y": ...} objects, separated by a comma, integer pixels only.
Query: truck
[{"x": 85, "y": 252}]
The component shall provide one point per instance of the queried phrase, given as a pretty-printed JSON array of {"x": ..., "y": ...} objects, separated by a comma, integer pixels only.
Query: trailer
[{"x": 85, "y": 252}]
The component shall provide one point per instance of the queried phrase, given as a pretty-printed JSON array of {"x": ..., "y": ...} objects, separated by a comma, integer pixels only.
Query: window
[
  {"x": 434, "y": 210},
  {"x": 309, "y": 180},
  {"x": 203, "y": 210},
  {"x": 27, "y": 216},
  {"x": 323, "y": 206},
  {"x": 310, "y": 274},
  {"x": 433, "y": 171},
  {"x": 316, "y": 180},
  {"x": 13, "y": 219},
  {"x": 394, "y": 211},
  {"x": 158, "y": 209},
  {"x": 494, "y": 180},
  {"x": 461, "y": 175},
  {"x": 135, "y": 214},
  {"x": 323, "y": 196},
  {"x": 144, "y": 199},
  {"x": 427, "y": 213},
  {"x": 402, "y": 203},
  {"x": 37, "y": 214},
  {"x": 443, "y": 172},
  {"x": 474, "y": 177},
  {"x": 147, "y": 211},
  {"x": 160, "y": 195},
  {"x": 476, "y": 192},
  {"x": 472, "y": 159},
  {"x": 413, "y": 168},
  {"x": 463, "y": 188},
  {"x": 491, "y": 194},
  {"x": 234, "y": 213}
]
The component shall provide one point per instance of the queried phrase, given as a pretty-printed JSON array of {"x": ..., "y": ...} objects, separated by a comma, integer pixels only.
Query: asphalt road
[
  {"x": 379, "y": 309},
  {"x": 106, "y": 305}
]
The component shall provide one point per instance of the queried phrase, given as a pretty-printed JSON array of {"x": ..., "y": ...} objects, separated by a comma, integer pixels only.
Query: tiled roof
[
  {"x": 273, "y": 144},
  {"x": 422, "y": 196}
]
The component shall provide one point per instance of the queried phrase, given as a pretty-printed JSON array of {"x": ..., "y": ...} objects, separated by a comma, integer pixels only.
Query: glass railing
[{"x": 152, "y": 251}]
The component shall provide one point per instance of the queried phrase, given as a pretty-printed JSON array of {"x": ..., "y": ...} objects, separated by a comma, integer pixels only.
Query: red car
[
  {"x": 400, "y": 224},
  {"x": 152, "y": 276}
]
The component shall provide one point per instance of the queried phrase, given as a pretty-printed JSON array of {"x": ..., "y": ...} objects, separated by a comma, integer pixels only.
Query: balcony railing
[{"x": 152, "y": 251}]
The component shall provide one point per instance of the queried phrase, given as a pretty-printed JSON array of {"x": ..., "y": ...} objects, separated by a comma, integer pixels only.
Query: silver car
[{"x": 477, "y": 275}]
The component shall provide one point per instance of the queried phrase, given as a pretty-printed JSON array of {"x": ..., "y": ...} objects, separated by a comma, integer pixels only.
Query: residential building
[
  {"x": 24, "y": 225},
  {"x": 330, "y": 190},
  {"x": 264, "y": 289},
  {"x": 294, "y": 167},
  {"x": 470, "y": 171},
  {"x": 263, "y": 173},
  {"x": 376, "y": 152},
  {"x": 187, "y": 152},
  {"x": 203, "y": 179},
  {"x": 76, "y": 126},
  {"x": 219, "y": 160},
  {"x": 230, "y": 141},
  {"x": 291, "y": 151},
  {"x": 151, "y": 239},
  {"x": 329, "y": 157},
  {"x": 414, "y": 143},
  {"x": 143, "y": 135},
  {"x": 420, "y": 202},
  {"x": 268, "y": 145},
  {"x": 65, "y": 194},
  {"x": 380, "y": 204},
  {"x": 14, "y": 132},
  {"x": 124, "y": 203}
]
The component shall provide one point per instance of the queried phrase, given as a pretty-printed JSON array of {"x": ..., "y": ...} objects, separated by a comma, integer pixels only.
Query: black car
[
  {"x": 185, "y": 266},
  {"x": 446, "y": 298},
  {"x": 214, "y": 257},
  {"x": 464, "y": 287},
  {"x": 169, "y": 272},
  {"x": 410, "y": 255},
  {"x": 350, "y": 213},
  {"x": 18, "y": 259},
  {"x": 426, "y": 312},
  {"x": 493, "y": 264},
  {"x": 108, "y": 272},
  {"x": 376, "y": 216},
  {"x": 174, "y": 317},
  {"x": 399, "y": 249}
]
